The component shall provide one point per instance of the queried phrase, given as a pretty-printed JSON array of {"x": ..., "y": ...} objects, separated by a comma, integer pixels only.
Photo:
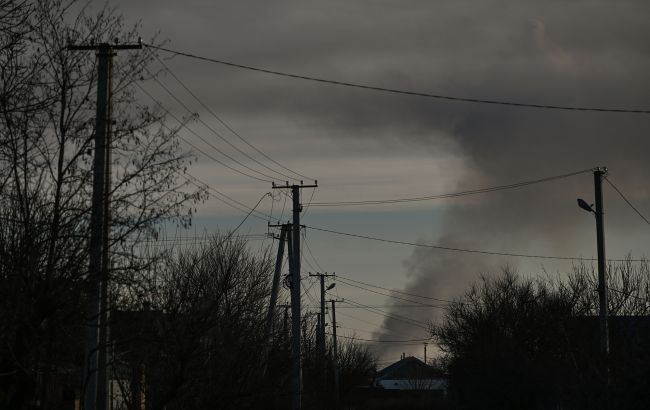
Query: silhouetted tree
[
  {"x": 515, "y": 343},
  {"x": 502, "y": 341},
  {"x": 198, "y": 333},
  {"x": 47, "y": 116}
]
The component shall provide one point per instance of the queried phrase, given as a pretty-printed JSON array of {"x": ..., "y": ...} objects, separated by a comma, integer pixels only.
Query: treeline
[{"x": 521, "y": 343}]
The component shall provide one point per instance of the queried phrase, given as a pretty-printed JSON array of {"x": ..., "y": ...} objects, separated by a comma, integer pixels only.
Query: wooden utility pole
[
  {"x": 274, "y": 295},
  {"x": 599, "y": 174},
  {"x": 335, "y": 358},
  {"x": 321, "y": 322},
  {"x": 294, "y": 268},
  {"x": 95, "y": 376}
]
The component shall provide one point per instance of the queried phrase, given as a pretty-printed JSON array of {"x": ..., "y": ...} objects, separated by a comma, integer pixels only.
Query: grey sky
[{"x": 368, "y": 145}]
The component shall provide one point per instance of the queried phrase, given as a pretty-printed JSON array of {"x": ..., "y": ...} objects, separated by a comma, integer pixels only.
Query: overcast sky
[{"x": 364, "y": 145}]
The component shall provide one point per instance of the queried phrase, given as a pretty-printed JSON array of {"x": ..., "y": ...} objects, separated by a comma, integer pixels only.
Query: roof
[{"x": 408, "y": 368}]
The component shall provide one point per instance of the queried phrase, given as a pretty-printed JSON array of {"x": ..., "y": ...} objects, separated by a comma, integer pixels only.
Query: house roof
[{"x": 407, "y": 369}]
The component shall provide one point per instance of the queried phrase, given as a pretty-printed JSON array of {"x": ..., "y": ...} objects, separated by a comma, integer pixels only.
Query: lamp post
[{"x": 599, "y": 174}]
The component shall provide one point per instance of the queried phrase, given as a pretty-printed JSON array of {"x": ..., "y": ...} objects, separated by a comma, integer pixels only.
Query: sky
[{"x": 367, "y": 145}]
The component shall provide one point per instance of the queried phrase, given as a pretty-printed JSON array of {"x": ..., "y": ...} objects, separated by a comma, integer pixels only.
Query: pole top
[
  {"x": 301, "y": 185},
  {"x": 103, "y": 46}
]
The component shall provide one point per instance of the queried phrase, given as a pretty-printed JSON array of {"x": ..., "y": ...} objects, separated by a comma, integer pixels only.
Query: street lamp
[
  {"x": 599, "y": 174},
  {"x": 584, "y": 205}
]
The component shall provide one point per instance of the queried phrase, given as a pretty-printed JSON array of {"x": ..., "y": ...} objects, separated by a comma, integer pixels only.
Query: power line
[
  {"x": 396, "y": 291},
  {"x": 249, "y": 213},
  {"x": 284, "y": 205},
  {"x": 238, "y": 135},
  {"x": 310, "y": 265},
  {"x": 306, "y": 208},
  {"x": 387, "y": 295},
  {"x": 393, "y": 316},
  {"x": 406, "y": 341},
  {"x": 192, "y": 179},
  {"x": 627, "y": 200},
  {"x": 399, "y": 91},
  {"x": 393, "y": 306},
  {"x": 477, "y": 251},
  {"x": 356, "y": 318},
  {"x": 181, "y": 124},
  {"x": 174, "y": 245},
  {"x": 452, "y": 194},
  {"x": 307, "y": 290},
  {"x": 216, "y": 133},
  {"x": 209, "y": 128},
  {"x": 197, "y": 238},
  {"x": 312, "y": 255},
  {"x": 369, "y": 331}
]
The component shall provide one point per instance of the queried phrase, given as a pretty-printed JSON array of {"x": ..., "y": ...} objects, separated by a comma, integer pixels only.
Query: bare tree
[
  {"x": 204, "y": 347},
  {"x": 46, "y": 129},
  {"x": 522, "y": 343}
]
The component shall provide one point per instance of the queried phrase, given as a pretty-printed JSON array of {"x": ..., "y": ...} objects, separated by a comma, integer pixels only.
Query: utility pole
[
  {"x": 321, "y": 322},
  {"x": 274, "y": 295},
  {"x": 318, "y": 338},
  {"x": 425, "y": 352},
  {"x": 599, "y": 174},
  {"x": 95, "y": 376},
  {"x": 335, "y": 358},
  {"x": 294, "y": 267},
  {"x": 285, "y": 325},
  {"x": 103, "y": 396}
]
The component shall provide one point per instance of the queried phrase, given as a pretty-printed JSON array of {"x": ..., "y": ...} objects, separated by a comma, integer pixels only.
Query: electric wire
[
  {"x": 392, "y": 306},
  {"x": 393, "y": 290},
  {"x": 389, "y": 295},
  {"x": 406, "y": 341},
  {"x": 306, "y": 207},
  {"x": 181, "y": 124},
  {"x": 196, "y": 181},
  {"x": 284, "y": 206},
  {"x": 201, "y": 185},
  {"x": 310, "y": 265},
  {"x": 371, "y": 332},
  {"x": 197, "y": 238},
  {"x": 311, "y": 285},
  {"x": 452, "y": 194},
  {"x": 312, "y": 256},
  {"x": 251, "y": 211},
  {"x": 229, "y": 128},
  {"x": 464, "y": 250},
  {"x": 393, "y": 316},
  {"x": 232, "y": 232},
  {"x": 627, "y": 200},
  {"x": 356, "y": 318},
  {"x": 215, "y": 132},
  {"x": 400, "y": 91}
]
